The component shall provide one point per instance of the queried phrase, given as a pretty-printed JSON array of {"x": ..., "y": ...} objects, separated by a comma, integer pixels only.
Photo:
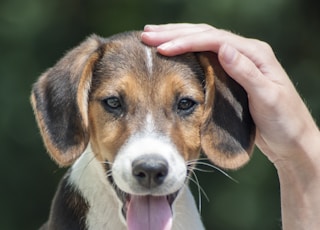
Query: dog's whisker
[
  {"x": 203, "y": 170},
  {"x": 195, "y": 180},
  {"x": 106, "y": 162},
  {"x": 109, "y": 169},
  {"x": 194, "y": 163},
  {"x": 191, "y": 168},
  {"x": 218, "y": 169},
  {"x": 198, "y": 159},
  {"x": 109, "y": 173},
  {"x": 202, "y": 190}
]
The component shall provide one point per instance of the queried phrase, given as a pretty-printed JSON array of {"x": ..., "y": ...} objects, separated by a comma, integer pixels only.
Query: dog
[{"x": 131, "y": 123}]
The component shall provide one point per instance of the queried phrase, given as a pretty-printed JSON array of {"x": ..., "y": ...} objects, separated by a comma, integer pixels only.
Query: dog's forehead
[{"x": 125, "y": 54}]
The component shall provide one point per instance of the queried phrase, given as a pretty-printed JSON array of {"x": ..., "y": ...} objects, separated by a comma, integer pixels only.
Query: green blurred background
[{"x": 35, "y": 33}]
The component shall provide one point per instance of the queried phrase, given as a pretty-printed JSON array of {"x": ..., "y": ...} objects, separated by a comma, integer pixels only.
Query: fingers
[
  {"x": 176, "y": 26},
  {"x": 174, "y": 39},
  {"x": 241, "y": 69},
  {"x": 189, "y": 43},
  {"x": 239, "y": 58},
  {"x": 173, "y": 26}
]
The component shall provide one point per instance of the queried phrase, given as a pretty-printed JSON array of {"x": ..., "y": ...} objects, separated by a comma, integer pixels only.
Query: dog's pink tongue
[{"x": 149, "y": 213}]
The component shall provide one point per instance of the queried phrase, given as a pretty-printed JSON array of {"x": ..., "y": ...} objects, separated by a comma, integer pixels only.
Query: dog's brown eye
[
  {"x": 112, "y": 105},
  {"x": 186, "y": 106}
]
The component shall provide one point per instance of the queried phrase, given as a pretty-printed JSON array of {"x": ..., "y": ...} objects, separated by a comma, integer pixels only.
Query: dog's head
[{"x": 145, "y": 114}]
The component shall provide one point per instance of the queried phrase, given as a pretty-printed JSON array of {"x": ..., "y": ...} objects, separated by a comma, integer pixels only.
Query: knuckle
[
  {"x": 265, "y": 49},
  {"x": 249, "y": 71},
  {"x": 205, "y": 26},
  {"x": 262, "y": 45}
]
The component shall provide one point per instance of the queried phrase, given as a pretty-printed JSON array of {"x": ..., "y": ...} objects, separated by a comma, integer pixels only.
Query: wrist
[
  {"x": 302, "y": 162},
  {"x": 300, "y": 185}
]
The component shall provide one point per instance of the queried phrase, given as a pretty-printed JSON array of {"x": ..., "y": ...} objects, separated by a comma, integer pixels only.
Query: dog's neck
[{"x": 90, "y": 179}]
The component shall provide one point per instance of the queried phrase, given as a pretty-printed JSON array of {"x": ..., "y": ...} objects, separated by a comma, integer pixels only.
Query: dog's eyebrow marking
[
  {"x": 149, "y": 61},
  {"x": 227, "y": 94}
]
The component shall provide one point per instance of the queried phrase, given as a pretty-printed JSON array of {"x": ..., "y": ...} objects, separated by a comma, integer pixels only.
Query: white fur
[
  {"x": 185, "y": 212},
  {"x": 149, "y": 59},
  {"x": 89, "y": 177},
  {"x": 149, "y": 124}
]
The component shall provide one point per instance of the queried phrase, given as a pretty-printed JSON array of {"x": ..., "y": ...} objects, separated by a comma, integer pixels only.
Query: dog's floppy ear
[
  {"x": 228, "y": 131},
  {"x": 60, "y": 102}
]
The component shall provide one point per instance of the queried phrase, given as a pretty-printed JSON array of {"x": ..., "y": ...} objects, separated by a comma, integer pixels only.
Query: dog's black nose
[{"x": 150, "y": 170}]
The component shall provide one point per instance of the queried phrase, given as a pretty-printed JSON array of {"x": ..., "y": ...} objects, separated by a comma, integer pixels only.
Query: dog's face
[
  {"x": 145, "y": 116},
  {"x": 145, "y": 96}
]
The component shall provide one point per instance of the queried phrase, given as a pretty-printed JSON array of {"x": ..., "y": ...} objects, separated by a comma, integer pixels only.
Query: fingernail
[
  {"x": 146, "y": 35},
  {"x": 149, "y": 27},
  {"x": 228, "y": 53}
]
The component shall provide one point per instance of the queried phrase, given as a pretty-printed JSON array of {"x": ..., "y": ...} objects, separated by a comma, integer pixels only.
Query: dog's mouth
[{"x": 146, "y": 212}]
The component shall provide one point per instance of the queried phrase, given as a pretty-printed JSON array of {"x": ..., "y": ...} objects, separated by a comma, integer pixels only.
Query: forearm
[{"x": 300, "y": 188}]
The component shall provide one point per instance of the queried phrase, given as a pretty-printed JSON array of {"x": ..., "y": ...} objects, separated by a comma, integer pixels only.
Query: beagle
[{"x": 131, "y": 124}]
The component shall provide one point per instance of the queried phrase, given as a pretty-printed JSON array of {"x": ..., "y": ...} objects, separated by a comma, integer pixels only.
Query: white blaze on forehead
[
  {"x": 149, "y": 124},
  {"x": 149, "y": 61}
]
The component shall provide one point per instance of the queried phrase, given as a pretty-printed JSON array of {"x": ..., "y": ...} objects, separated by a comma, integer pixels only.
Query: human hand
[{"x": 284, "y": 125}]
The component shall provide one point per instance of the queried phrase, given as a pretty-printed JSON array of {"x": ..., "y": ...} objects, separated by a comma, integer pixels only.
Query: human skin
[{"x": 286, "y": 131}]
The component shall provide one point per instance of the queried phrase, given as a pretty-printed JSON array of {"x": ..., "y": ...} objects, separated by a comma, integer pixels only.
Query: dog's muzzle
[{"x": 146, "y": 212}]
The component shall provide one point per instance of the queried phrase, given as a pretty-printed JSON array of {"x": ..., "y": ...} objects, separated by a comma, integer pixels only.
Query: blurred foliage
[{"x": 35, "y": 33}]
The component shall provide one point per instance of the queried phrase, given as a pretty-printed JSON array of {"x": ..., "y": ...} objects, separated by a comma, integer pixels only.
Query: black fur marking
[
  {"x": 69, "y": 209},
  {"x": 62, "y": 114},
  {"x": 225, "y": 117}
]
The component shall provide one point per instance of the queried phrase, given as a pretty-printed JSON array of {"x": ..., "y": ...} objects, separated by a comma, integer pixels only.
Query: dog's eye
[
  {"x": 113, "y": 102},
  {"x": 186, "y": 106},
  {"x": 112, "y": 105}
]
